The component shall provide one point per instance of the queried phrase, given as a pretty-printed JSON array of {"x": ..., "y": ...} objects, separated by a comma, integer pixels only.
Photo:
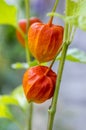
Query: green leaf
[
  {"x": 82, "y": 22},
  {"x": 18, "y": 94},
  {"x": 17, "y": 97},
  {"x": 56, "y": 14},
  {"x": 76, "y": 14},
  {"x": 7, "y": 14},
  {"x": 7, "y": 99},
  {"x": 4, "y": 112},
  {"x": 19, "y": 65},
  {"x": 34, "y": 63},
  {"x": 75, "y": 55},
  {"x": 73, "y": 7}
]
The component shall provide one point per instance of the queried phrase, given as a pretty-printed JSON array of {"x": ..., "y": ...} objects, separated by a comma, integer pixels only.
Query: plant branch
[
  {"x": 28, "y": 55},
  {"x": 53, "y": 60},
  {"x": 52, "y": 110},
  {"x": 53, "y": 10},
  {"x": 30, "y": 112},
  {"x": 66, "y": 43},
  {"x": 55, "y": 5},
  {"x": 27, "y": 5}
]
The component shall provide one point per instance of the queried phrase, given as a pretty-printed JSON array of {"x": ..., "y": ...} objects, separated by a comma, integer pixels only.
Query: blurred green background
[{"x": 71, "y": 112}]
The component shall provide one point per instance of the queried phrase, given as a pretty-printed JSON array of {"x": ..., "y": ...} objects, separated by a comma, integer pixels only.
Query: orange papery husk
[
  {"x": 45, "y": 40},
  {"x": 39, "y": 84}
]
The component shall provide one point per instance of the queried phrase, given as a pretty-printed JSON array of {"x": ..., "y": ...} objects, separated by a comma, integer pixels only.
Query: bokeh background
[{"x": 71, "y": 111}]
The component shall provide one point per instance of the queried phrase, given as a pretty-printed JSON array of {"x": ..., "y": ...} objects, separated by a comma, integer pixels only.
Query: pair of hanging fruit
[{"x": 44, "y": 41}]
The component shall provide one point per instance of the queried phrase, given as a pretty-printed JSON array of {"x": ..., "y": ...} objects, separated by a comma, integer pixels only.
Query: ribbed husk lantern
[
  {"x": 39, "y": 84},
  {"x": 44, "y": 40}
]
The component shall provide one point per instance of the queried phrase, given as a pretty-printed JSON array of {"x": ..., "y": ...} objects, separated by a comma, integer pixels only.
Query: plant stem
[
  {"x": 55, "y": 5},
  {"x": 28, "y": 55},
  {"x": 56, "y": 56},
  {"x": 53, "y": 60},
  {"x": 52, "y": 110},
  {"x": 30, "y": 110},
  {"x": 53, "y": 107},
  {"x": 53, "y": 10},
  {"x": 66, "y": 31},
  {"x": 27, "y": 5}
]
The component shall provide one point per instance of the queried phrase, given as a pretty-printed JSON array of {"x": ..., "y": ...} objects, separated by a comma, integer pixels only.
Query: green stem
[
  {"x": 53, "y": 10},
  {"x": 56, "y": 56},
  {"x": 55, "y": 5},
  {"x": 73, "y": 33},
  {"x": 27, "y": 5},
  {"x": 66, "y": 29},
  {"x": 53, "y": 107},
  {"x": 52, "y": 110},
  {"x": 30, "y": 110},
  {"x": 28, "y": 55}
]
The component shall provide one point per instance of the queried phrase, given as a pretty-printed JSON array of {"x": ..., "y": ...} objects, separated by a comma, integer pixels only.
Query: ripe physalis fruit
[
  {"x": 22, "y": 24},
  {"x": 45, "y": 40},
  {"x": 39, "y": 84}
]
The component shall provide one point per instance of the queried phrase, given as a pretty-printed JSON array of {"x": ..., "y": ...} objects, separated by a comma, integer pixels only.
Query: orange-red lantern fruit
[
  {"x": 44, "y": 40},
  {"x": 39, "y": 84}
]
